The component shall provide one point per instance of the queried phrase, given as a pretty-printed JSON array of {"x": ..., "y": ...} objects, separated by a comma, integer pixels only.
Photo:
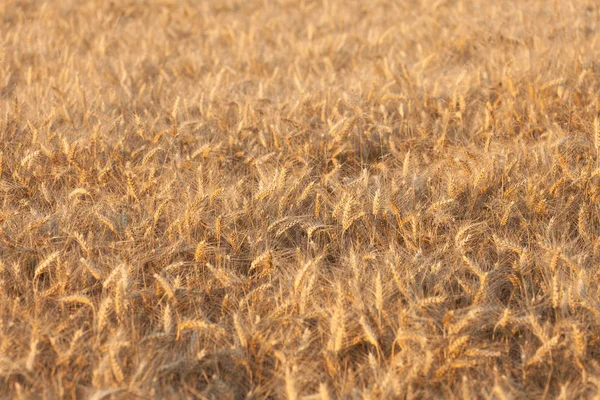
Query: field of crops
[{"x": 297, "y": 199}]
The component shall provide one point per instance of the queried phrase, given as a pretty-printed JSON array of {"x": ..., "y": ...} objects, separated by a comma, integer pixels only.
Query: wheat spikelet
[
  {"x": 215, "y": 194},
  {"x": 597, "y": 133},
  {"x": 341, "y": 206},
  {"x": 78, "y": 192},
  {"x": 264, "y": 262},
  {"x": 174, "y": 266},
  {"x": 483, "y": 353},
  {"x": 290, "y": 384},
  {"x": 480, "y": 180},
  {"x": 453, "y": 188},
  {"x": 505, "y": 244},
  {"x": 376, "y": 202},
  {"x": 406, "y": 165},
  {"x": 579, "y": 342},
  {"x": 464, "y": 388},
  {"x": 306, "y": 291},
  {"x": 107, "y": 223},
  {"x": 583, "y": 223},
  {"x": 474, "y": 268},
  {"x": 337, "y": 324},
  {"x": 378, "y": 293},
  {"x": 465, "y": 322},
  {"x": 218, "y": 228},
  {"x": 457, "y": 345},
  {"x": 512, "y": 191},
  {"x": 556, "y": 292},
  {"x": 285, "y": 226},
  {"x": 105, "y": 173},
  {"x": 323, "y": 392},
  {"x": 149, "y": 155},
  {"x": 482, "y": 285},
  {"x": 167, "y": 319},
  {"x": 41, "y": 267},
  {"x": 504, "y": 219},
  {"x": 33, "y": 346},
  {"x": 159, "y": 210},
  {"x": 442, "y": 370},
  {"x": 82, "y": 242},
  {"x": 113, "y": 276},
  {"x": 28, "y": 160},
  {"x": 465, "y": 167},
  {"x": 440, "y": 204},
  {"x": 461, "y": 239},
  {"x": 191, "y": 324},
  {"x": 263, "y": 194},
  {"x": 573, "y": 302},
  {"x": 115, "y": 366},
  {"x": 241, "y": 334},
  {"x": 537, "y": 329},
  {"x": 347, "y": 223},
  {"x": 543, "y": 350},
  {"x": 225, "y": 278},
  {"x": 165, "y": 286},
  {"x": 348, "y": 215},
  {"x": 305, "y": 193},
  {"x": 555, "y": 259},
  {"x": 78, "y": 298},
  {"x": 132, "y": 189},
  {"x": 368, "y": 332},
  {"x": 200, "y": 252},
  {"x": 570, "y": 263},
  {"x": 557, "y": 186},
  {"x": 431, "y": 301},
  {"x": 301, "y": 275},
  {"x": 118, "y": 301},
  {"x": 103, "y": 313},
  {"x": 318, "y": 206},
  {"x": 504, "y": 320},
  {"x": 310, "y": 230},
  {"x": 51, "y": 291}
]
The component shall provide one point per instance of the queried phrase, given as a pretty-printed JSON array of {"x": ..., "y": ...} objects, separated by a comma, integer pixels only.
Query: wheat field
[{"x": 297, "y": 199}]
